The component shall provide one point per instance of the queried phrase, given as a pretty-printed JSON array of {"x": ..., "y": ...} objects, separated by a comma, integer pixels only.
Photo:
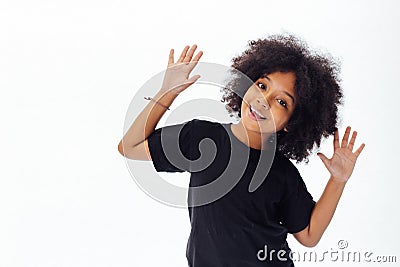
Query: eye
[
  {"x": 282, "y": 102},
  {"x": 261, "y": 85}
]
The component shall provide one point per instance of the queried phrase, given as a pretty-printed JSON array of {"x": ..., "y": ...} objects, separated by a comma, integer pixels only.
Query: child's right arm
[{"x": 134, "y": 144}]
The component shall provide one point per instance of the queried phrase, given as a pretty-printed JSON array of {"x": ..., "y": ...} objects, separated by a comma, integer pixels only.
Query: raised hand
[
  {"x": 342, "y": 163},
  {"x": 176, "y": 78}
]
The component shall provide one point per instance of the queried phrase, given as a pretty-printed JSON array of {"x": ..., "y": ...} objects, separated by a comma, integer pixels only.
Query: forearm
[
  {"x": 340, "y": 166},
  {"x": 147, "y": 120},
  {"x": 324, "y": 209}
]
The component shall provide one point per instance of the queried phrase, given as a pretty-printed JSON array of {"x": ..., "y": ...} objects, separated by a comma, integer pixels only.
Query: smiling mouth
[{"x": 255, "y": 115}]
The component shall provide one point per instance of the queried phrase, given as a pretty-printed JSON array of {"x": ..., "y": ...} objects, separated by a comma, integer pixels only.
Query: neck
[{"x": 251, "y": 138}]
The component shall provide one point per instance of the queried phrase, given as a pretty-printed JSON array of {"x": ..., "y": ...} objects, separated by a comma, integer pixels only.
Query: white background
[{"x": 68, "y": 71}]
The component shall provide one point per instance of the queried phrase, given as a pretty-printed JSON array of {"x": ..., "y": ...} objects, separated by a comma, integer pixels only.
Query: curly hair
[{"x": 317, "y": 90}]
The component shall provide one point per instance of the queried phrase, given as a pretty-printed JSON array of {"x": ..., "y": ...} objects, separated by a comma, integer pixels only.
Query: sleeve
[
  {"x": 297, "y": 205},
  {"x": 170, "y": 147}
]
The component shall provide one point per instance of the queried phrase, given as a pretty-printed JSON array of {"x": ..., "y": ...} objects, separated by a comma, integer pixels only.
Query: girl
[{"x": 292, "y": 102}]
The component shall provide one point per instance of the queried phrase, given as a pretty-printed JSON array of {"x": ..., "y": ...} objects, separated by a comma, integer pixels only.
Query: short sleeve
[
  {"x": 297, "y": 205},
  {"x": 170, "y": 147}
]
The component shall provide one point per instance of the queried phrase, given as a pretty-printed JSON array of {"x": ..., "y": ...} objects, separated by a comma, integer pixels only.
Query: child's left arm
[{"x": 340, "y": 166}]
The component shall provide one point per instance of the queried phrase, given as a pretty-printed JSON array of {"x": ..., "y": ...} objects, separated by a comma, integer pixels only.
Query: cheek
[
  {"x": 243, "y": 107},
  {"x": 251, "y": 92},
  {"x": 281, "y": 117},
  {"x": 246, "y": 99}
]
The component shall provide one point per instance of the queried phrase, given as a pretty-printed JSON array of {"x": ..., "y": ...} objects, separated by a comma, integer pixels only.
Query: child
[{"x": 293, "y": 97}]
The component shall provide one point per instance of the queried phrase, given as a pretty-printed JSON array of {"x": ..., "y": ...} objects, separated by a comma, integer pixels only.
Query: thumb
[
  {"x": 193, "y": 79},
  {"x": 324, "y": 159}
]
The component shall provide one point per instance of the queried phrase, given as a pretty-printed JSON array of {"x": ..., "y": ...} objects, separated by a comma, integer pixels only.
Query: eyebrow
[{"x": 285, "y": 92}]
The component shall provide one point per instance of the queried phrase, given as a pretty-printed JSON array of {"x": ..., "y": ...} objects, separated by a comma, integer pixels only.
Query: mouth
[{"x": 254, "y": 114}]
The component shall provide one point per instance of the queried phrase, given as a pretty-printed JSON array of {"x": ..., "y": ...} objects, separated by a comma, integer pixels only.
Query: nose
[{"x": 263, "y": 103}]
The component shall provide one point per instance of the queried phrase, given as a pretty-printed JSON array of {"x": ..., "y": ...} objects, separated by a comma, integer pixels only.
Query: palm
[{"x": 342, "y": 163}]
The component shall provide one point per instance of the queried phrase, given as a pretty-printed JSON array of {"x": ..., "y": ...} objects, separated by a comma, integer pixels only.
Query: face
[{"x": 269, "y": 103}]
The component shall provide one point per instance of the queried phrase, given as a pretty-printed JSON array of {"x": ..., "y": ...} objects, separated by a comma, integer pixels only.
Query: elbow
[
  {"x": 310, "y": 242},
  {"x": 306, "y": 238},
  {"x": 121, "y": 148}
]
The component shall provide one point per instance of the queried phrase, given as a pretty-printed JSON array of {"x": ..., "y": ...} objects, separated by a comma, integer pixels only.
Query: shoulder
[
  {"x": 193, "y": 125},
  {"x": 285, "y": 164},
  {"x": 292, "y": 181},
  {"x": 205, "y": 126},
  {"x": 290, "y": 174},
  {"x": 205, "y": 123}
]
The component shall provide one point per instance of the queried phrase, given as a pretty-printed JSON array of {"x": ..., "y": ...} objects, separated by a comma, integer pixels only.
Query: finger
[
  {"x": 193, "y": 79},
  {"x": 189, "y": 55},
  {"x": 183, "y": 54},
  {"x": 171, "y": 57},
  {"x": 324, "y": 159},
  {"x": 195, "y": 60},
  {"x": 336, "y": 140},
  {"x": 352, "y": 140},
  {"x": 358, "y": 151},
  {"x": 198, "y": 56},
  {"x": 346, "y": 137},
  {"x": 188, "y": 82}
]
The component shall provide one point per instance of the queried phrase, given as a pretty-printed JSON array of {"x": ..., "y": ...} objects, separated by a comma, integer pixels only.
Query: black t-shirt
[{"x": 241, "y": 228}]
